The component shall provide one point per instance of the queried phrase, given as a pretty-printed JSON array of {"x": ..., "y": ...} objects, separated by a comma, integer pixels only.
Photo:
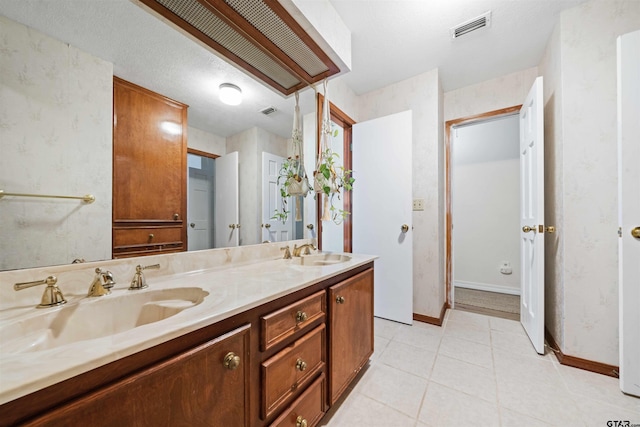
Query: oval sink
[
  {"x": 321, "y": 259},
  {"x": 93, "y": 318}
]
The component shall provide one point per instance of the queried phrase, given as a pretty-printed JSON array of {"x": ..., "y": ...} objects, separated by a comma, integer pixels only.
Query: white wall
[
  {"x": 581, "y": 64},
  {"x": 55, "y": 135},
  {"x": 485, "y": 204},
  {"x": 206, "y": 141}
]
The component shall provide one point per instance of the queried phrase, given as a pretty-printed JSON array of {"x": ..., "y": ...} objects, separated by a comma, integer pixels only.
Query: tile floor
[{"x": 475, "y": 370}]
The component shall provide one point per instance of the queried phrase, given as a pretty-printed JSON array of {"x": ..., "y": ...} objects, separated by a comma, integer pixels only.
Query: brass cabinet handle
[
  {"x": 176, "y": 216},
  {"x": 151, "y": 236},
  {"x": 301, "y": 365},
  {"x": 301, "y": 316},
  {"x": 527, "y": 229},
  {"x": 340, "y": 299},
  {"x": 301, "y": 422},
  {"x": 231, "y": 361},
  {"x": 636, "y": 232}
]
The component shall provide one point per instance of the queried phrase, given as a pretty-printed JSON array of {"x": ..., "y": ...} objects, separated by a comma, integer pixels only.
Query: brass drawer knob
[
  {"x": 151, "y": 236},
  {"x": 340, "y": 299},
  {"x": 176, "y": 216},
  {"x": 301, "y": 316},
  {"x": 231, "y": 361},
  {"x": 301, "y": 422},
  {"x": 301, "y": 365}
]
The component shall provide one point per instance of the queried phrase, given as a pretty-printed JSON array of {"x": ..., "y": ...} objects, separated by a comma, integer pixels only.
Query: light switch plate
[{"x": 418, "y": 204}]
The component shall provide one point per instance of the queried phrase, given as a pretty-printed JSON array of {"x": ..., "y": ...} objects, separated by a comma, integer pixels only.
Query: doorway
[
  {"x": 200, "y": 201},
  {"x": 483, "y": 254}
]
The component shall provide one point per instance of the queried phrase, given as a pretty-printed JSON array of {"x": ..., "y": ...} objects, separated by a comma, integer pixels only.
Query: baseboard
[
  {"x": 432, "y": 320},
  {"x": 577, "y": 362},
  {"x": 486, "y": 287}
]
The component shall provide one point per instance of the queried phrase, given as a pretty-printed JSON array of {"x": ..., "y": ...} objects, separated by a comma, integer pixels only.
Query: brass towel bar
[{"x": 87, "y": 198}]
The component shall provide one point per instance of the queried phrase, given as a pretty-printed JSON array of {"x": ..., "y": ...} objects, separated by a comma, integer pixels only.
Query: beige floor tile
[
  {"x": 509, "y": 418},
  {"x": 428, "y": 327},
  {"x": 444, "y": 407},
  {"x": 384, "y": 328},
  {"x": 598, "y": 413},
  {"x": 408, "y": 358},
  {"x": 599, "y": 387},
  {"x": 468, "y": 331},
  {"x": 511, "y": 366},
  {"x": 516, "y": 343},
  {"x": 393, "y": 387},
  {"x": 379, "y": 344},
  {"x": 547, "y": 401},
  {"x": 360, "y": 410},
  {"x": 469, "y": 318},
  {"x": 427, "y": 339},
  {"x": 467, "y": 351},
  {"x": 506, "y": 325},
  {"x": 465, "y": 377}
]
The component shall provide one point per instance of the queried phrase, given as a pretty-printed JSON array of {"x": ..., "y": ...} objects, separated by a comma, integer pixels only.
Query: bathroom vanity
[{"x": 274, "y": 342}]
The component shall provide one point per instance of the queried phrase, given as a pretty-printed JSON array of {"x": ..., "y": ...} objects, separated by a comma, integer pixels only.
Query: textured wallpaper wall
[{"x": 55, "y": 138}]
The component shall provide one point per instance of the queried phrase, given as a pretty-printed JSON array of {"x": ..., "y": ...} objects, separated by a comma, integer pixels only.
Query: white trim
[{"x": 486, "y": 287}]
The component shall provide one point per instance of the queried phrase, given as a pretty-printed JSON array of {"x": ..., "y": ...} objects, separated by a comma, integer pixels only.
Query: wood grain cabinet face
[
  {"x": 351, "y": 330},
  {"x": 291, "y": 370},
  {"x": 308, "y": 408},
  {"x": 149, "y": 161},
  {"x": 194, "y": 388}
]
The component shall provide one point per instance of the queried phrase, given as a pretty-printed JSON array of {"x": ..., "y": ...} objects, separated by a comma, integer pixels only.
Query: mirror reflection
[{"x": 57, "y": 62}]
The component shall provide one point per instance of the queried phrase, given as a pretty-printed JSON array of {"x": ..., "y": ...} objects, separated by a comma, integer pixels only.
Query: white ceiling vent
[
  {"x": 476, "y": 23},
  {"x": 268, "y": 110}
]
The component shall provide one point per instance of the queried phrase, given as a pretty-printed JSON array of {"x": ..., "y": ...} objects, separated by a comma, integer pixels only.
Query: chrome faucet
[
  {"x": 139, "y": 281},
  {"x": 297, "y": 250},
  {"x": 101, "y": 284}
]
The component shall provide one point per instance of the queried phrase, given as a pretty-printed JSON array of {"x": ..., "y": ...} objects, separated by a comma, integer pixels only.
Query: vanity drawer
[
  {"x": 308, "y": 408},
  {"x": 146, "y": 236},
  {"x": 280, "y": 325},
  {"x": 291, "y": 369}
]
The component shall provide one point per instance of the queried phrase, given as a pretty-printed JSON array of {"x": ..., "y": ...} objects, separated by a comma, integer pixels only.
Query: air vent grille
[
  {"x": 268, "y": 110},
  {"x": 474, "y": 24},
  {"x": 257, "y": 35}
]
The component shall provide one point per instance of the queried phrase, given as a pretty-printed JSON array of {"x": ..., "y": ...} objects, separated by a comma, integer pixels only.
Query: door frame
[
  {"x": 340, "y": 117},
  {"x": 201, "y": 154},
  {"x": 447, "y": 168}
]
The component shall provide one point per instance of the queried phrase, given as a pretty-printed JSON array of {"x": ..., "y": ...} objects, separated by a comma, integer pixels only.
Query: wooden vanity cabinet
[
  {"x": 149, "y": 172},
  {"x": 351, "y": 330},
  {"x": 205, "y": 386}
]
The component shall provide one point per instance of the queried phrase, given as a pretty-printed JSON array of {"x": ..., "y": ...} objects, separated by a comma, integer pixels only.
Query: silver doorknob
[
  {"x": 636, "y": 232},
  {"x": 192, "y": 225},
  {"x": 404, "y": 228}
]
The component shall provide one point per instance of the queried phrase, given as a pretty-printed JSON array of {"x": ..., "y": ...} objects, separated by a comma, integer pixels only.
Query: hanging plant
[
  {"x": 292, "y": 177},
  {"x": 329, "y": 178}
]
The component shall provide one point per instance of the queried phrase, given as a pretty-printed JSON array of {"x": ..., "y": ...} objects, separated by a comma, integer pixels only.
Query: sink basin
[
  {"x": 93, "y": 318},
  {"x": 321, "y": 259}
]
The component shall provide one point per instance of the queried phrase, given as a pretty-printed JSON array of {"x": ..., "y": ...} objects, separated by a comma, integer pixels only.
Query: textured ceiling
[{"x": 392, "y": 40}]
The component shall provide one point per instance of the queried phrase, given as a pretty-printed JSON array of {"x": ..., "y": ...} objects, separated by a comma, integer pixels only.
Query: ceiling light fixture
[{"x": 230, "y": 94}]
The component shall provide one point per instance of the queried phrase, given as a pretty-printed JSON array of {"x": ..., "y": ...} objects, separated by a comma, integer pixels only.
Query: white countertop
[{"x": 232, "y": 290}]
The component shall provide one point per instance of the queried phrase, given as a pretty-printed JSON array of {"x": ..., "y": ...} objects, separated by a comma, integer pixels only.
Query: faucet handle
[
  {"x": 52, "y": 295},
  {"x": 287, "y": 252},
  {"x": 139, "y": 281}
]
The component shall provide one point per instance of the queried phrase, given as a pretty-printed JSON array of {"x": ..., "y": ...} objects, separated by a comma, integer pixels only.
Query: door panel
[
  {"x": 532, "y": 216},
  {"x": 275, "y": 230},
  {"x": 381, "y": 205},
  {"x": 227, "y": 205},
  {"x": 629, "y": 209},
  {"x": 200, "y": 203}
]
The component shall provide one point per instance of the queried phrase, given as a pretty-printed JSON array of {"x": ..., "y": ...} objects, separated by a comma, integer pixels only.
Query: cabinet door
[
  {"x": 351, "y": 319},
  {"x": 149, "y": 155},
  {"x": 194, "y": 388}
]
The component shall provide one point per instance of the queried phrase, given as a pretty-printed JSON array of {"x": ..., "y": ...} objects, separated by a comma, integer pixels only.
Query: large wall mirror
[{"x": 57, "y": 62}]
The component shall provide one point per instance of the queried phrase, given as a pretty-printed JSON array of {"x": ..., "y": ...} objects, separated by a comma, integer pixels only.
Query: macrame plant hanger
[{"x": 324, "y": 177}]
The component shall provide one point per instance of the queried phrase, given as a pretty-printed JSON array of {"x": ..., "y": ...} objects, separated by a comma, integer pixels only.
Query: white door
[
  {"x": 532, "y": 227},
  {"x": 275, "y": 230},
  {"x": 227, "y": 210},
  {"x": 382, "y": 199},
  {"x": 200, "y": 203},
  {"x": 629, "y": 209}
]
